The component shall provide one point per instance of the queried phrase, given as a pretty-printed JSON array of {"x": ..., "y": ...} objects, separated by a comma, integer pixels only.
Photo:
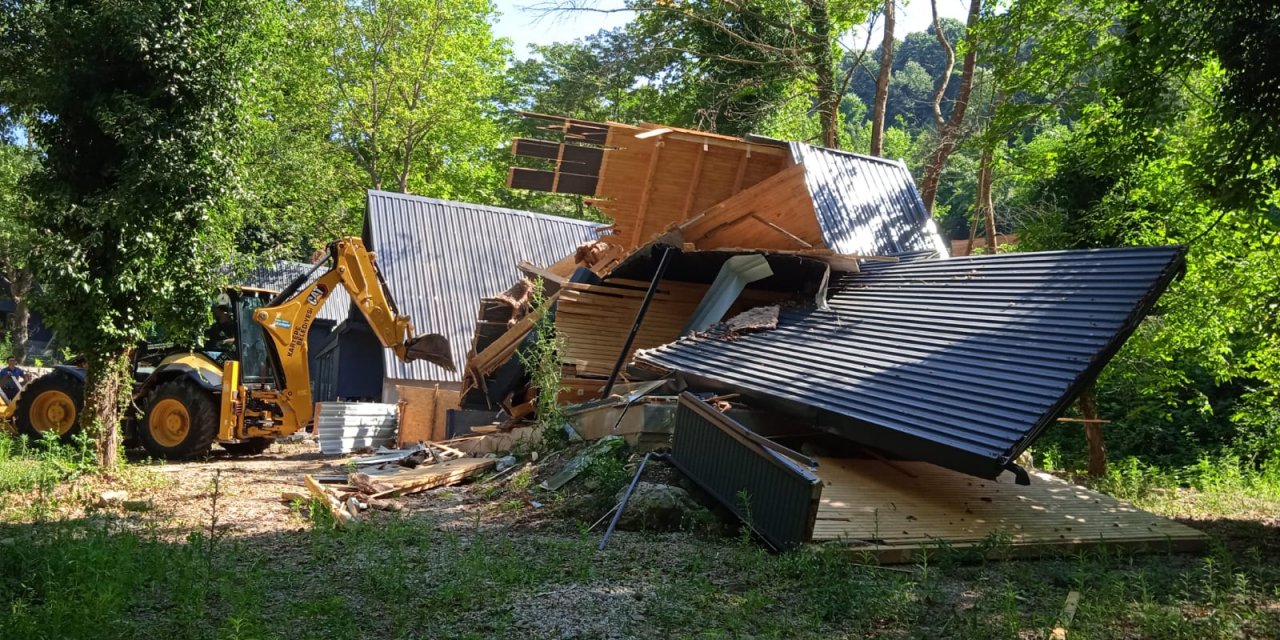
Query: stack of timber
[{"x": 594, "y": 320}]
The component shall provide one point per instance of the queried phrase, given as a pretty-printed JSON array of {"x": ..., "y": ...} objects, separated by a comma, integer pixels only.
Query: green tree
[
  {"x": 135, "y": 106},
  {"x": 418, "y": 82},
  {"x": 17, "y": 161},
  {"x": 299, "y": 189}
]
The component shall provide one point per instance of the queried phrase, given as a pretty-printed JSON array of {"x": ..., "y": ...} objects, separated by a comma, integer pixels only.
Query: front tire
[
  {"x": 51, "y": 404},
  {"x": 181, "y": 421}
]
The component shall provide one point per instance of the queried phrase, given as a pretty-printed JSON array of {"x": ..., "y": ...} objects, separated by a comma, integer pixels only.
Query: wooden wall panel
[
  {"x": 622, "y": 187},
  {"x": 744, "y": 220},
  {"x": 423, "y": 416},
  {"x": 595, "y": 321}
]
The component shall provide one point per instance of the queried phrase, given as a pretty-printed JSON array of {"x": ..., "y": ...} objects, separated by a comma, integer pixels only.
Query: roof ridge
[
  {"x": 370, "y": 193},
  {"x": 854, "y": 154}
]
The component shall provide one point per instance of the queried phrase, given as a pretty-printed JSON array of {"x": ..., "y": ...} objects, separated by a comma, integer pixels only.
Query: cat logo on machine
[{"x": 316, "y": 294}]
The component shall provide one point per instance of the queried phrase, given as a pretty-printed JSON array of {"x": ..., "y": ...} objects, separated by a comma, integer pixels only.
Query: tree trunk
[
  {"x": 985, "y": 201},
  {"x": 882, "y": 83},
  {"x": 949, "y": 134},
  {"x": 102, "y": 402},
  {"x": 824, "y": 73},
  {"x": 977, "y": 213},
  {"x": 1093, "y": 434},
  {"x": 20, "y": 323}
]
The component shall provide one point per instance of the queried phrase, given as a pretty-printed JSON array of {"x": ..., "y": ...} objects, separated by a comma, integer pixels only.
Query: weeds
[
  {"x": 1222, "y": 487},
  {"x": 542, "y": 360}
]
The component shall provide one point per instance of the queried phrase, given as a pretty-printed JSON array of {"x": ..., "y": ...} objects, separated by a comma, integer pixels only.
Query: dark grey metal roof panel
[
  {"x": 961, "y": 362},
  {"x": 278, "y": 275},
  {"x": 440, "y": 257},
  {"x": 866, "y": 205}
]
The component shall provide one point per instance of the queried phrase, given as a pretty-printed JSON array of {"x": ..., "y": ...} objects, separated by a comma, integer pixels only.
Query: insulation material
[{"x": 343, "y": 427}]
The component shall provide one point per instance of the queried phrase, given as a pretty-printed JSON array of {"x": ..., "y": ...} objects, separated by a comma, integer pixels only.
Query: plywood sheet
[
  {"x": 880, "y": 509},
  {"x": 423, "y": 417}
]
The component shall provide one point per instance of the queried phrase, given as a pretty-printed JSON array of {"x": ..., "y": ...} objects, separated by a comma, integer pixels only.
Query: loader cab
[{"x": 235, "y": 336}]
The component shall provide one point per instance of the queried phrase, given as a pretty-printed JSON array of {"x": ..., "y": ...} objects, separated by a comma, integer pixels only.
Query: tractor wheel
[
  {"x": 181, "y": 421},
  {"x": 248, "y": 446},
  {"x": 51, "y": 404}
]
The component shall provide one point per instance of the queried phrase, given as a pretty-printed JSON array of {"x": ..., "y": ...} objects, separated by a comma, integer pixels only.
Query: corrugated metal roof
[
  {"x": 866, "y": 205},
  {"x": 278, "y": 275},
  {"x": 440, "y": 257},
  {"x": 960, "y": 362}
]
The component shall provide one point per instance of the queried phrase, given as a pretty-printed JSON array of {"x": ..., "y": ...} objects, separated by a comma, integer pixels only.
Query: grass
[
  {"x": 1213, "y": 488},
  {"x": 104, "y": 574},
  {"x": 96, "y": 579}
]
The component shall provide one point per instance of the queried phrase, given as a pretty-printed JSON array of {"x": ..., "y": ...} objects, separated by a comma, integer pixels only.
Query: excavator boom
[{"x": 287, "y": 320}]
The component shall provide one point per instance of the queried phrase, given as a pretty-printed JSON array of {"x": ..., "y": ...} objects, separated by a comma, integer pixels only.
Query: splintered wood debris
[
  {"x": 391, "y": 474},
  {"x": 750, "y": 321}
]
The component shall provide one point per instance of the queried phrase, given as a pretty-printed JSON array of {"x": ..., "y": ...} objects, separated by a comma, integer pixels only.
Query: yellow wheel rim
[
  {"x": 169, "y": 423},
  {"x": 53, "y": 411}
]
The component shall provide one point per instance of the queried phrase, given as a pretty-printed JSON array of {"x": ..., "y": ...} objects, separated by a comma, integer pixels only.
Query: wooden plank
[
  {"x": 498, "y": 353},
  {"x": 876, "y": 509},
  {"x": 780, "y": 207},
  {"x": 1068, "y": 614},
  {"x": 340, "y": 515},
  {"x": 647, "y": 193},
  {"x": 693, "y": 183},
  {"x": 793, "y": 237},
  {"x": 742, "y": 171},
  {"x": 429, "y": 476}
]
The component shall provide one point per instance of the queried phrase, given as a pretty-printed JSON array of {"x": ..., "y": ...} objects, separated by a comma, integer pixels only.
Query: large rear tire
[
  {"x": 248, "y": 447},
  {"x": 51, "y": 404},
  {"x": 181, "y": 421}
]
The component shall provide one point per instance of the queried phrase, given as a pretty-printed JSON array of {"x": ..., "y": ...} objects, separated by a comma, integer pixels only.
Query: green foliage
[
  {"x": 1202, "y": 377},
  {"x": 42, "y": 464},
  {"x": 415, "y": 81},
  {"x": 1168, "y": 42},
  {"x": 606, "y": 474},
  {"x": 135, "y": 105},
  {"x": 542, "y": 360}
]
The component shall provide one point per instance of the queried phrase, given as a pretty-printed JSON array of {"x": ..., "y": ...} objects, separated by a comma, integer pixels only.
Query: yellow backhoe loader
[{"x": 250, "y": 382}]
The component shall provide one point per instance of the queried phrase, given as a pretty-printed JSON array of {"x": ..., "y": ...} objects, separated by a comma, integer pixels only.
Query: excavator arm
[{"x": 287, "y": 320}]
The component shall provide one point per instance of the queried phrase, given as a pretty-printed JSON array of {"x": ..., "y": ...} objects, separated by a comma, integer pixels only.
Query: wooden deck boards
[{"x": 876, "y": 508}]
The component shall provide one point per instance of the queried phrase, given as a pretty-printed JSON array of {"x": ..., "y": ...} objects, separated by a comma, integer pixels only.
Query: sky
[{"x": 520, "y": 21}]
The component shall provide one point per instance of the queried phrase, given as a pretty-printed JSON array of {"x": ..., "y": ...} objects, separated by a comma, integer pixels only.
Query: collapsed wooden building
[{"x": 812, "y": 286}]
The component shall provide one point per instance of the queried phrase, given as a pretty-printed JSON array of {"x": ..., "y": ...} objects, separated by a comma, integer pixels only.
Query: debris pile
[{"x": 390, "y": 474}]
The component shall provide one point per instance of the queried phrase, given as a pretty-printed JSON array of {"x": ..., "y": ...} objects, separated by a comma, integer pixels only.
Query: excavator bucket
[{"x": 432, "y": 347}]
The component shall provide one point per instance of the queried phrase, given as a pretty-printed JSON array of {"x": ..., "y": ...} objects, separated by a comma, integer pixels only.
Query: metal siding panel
[
  {"x": 781, "y": 496},
  {"x": 440, "y": 257},
  {"x": 923, "y": 351}
]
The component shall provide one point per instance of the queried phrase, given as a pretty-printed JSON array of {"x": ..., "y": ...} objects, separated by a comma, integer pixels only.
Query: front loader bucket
[{"x": 432, "y": 347}]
